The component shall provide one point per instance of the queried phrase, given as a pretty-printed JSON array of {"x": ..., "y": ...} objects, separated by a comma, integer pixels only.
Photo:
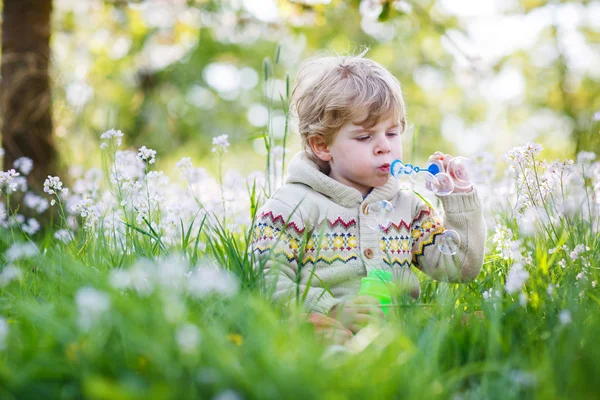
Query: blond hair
[{"x": 331, "y": 91}]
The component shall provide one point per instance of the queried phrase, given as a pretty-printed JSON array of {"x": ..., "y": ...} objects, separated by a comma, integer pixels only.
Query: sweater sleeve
[
  {"x": 462, "y": 214},
  {"x": 277, "y": 238}
]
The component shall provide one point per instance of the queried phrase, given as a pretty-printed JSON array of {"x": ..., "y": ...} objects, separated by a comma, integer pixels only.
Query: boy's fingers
[
  {"x": 323, "y": 321},
  {"x": 365, "y": 300},
  {"x": 363, "y": 322},
  {"x": 359, "y": 309},
  {"x": 365, "y": 319},
  {"x": 438, "y": 155},
  {"x": 374, "y": 312},
  {"x": 377, "y": 312},
  {"x": 336, "y": 336}
]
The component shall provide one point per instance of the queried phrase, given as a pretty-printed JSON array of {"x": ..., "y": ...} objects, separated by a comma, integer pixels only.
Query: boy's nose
[{"x": 383, "y": 146}]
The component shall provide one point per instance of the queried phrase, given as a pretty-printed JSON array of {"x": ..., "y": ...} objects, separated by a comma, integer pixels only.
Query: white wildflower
[
  {"x": 111, "y": 134},
  {"x": 37, "y": 203},
  {"x": 195, "y": 175},
  {"x": 138, "y": 277},
  {"x": 91, "y": 304},
  {"x": 205, "y": 281},
  {"x": 16, "y": 220},
  {"x": 64, "y": 235},
  {"x": 594, "y": 283},
  {"x": 521, "y": 154},
  {"x": 220, "y": 143},
  {"x": 88, "y": 211},
  {"x": 20, "y": 251},
  {"x": 53, "y": 185},
  {"x": 523, "y": 299},
  {"x": 188, "y": 338},
  {"x": 4, "y": 330},
  {"x": 31, "y": 227},
  {"x": 184, "y": 163},
  {"x": 550, "y": 290},
  {"x": 146, "y": 155},
  {"x": 172, "y": 271},
  {"x": 403, "y": 6},
  {"x": 563, "y": 263},
  {"x": 585, "y": 157},
  {"x": 580, "y": 248},
  {"x": 9, "y": 179},
  {"x": 23, "y": 164},
  {"x": 596, "y": 116},
  {"x": 126, "y": 167},
  {"x": 370, "y": 8},
  {"x": 517, "y": 276},
  {"x": 559, "y": 170},
  {"x": 565, "y": 317},
  {"x": 503, "y": 240},
  {"x": 10, "y": 273},
  {"x": 141, "y": 209},
  {"x": 488, "y": 294},
  {"x": 528, "y": 222}
]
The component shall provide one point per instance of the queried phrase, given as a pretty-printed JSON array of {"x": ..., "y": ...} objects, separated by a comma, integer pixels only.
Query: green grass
[{"x": 450, "y": 344}]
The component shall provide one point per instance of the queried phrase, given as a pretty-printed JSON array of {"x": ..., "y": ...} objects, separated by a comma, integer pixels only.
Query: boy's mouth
[{"x": 384, "y": 167}]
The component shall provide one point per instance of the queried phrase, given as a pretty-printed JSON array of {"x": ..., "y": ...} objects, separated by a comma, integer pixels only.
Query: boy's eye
[
  {"x": 363, "y": 138},
  {"x": 391, "y": 134}
]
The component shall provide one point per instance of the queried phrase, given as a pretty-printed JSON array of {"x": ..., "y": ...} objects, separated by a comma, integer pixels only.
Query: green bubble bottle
[{"x": 378, "y": 284}]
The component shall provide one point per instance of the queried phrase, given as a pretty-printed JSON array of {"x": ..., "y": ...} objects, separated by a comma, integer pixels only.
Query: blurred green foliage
[{"x": 143, "y": 67}]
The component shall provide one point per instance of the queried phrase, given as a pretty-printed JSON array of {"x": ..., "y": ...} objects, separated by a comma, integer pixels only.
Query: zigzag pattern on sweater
[
  {"x": 398, "y": 227},
  {"x": 395, "y": 261},
  {"x": 310, "y": 259},
  {"x": 278, "y": 219},
  {"x": 276, "y": 252},
  {"x": 307, "y": 258},
  {"x": 338, "y": 221},
  {"x": 428, "y": 242},
  {"x": 425, "y": 230}
]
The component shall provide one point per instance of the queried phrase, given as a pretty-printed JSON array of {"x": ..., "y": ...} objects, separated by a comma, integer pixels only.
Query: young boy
[{"x": 314, "y": 233}]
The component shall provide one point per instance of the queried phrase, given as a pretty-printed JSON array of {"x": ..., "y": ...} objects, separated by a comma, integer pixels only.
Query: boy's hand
[
  {"x": 358, "y": 312},
  {"x": 445, "y": 159},
  {"x": 329, "y": 329}
]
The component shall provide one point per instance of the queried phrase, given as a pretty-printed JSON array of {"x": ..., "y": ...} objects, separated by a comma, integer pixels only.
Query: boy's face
[{"x": 361, "y": 158}]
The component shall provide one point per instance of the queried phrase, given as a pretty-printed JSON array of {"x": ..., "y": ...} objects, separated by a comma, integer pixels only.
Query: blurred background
[{"x": 477, "y": 75}]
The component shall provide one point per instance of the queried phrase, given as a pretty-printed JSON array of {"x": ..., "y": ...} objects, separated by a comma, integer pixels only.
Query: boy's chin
[{"x": 379, "y": 182}]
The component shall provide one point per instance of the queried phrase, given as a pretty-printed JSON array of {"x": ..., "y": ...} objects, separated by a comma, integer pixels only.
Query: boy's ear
[{"x": 319, "y": 147}]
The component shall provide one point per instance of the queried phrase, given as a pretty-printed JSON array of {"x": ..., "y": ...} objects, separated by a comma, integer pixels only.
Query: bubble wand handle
[{"x": 398, "y": 168}]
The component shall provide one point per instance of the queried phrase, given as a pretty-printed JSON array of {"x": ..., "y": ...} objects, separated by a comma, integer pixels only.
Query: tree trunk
[{"x": 25, "y": 97}]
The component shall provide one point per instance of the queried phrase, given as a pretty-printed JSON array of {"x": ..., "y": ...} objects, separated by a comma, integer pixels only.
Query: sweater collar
[{"x": 303, "y": 170}]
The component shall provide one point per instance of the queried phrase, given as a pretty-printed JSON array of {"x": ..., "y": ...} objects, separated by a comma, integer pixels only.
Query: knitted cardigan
[{"x": 314, "y": 238}]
